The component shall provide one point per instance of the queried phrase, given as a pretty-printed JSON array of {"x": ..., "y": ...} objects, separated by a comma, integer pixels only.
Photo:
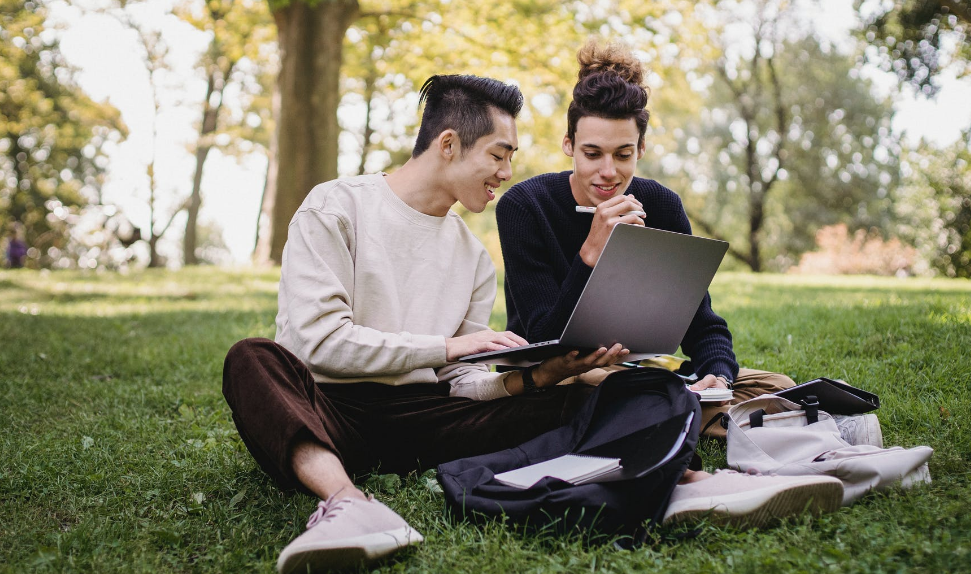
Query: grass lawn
[{"x": 119, "y": 454}]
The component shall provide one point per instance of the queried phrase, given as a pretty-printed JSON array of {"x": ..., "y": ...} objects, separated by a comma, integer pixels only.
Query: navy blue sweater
[{"x": 541, "y": 234}]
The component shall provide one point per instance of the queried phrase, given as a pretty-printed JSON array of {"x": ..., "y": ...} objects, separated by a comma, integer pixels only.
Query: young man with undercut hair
[{"x": 382, "y": 289}]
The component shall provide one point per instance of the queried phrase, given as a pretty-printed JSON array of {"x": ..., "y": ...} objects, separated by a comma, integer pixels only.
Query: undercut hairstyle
[
  {"x": 610, "y": 86},
  {"x": 464, "y": 104}
]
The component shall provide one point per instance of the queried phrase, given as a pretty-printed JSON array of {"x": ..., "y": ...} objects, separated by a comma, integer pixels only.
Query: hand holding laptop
[
  {"x": 574, "y": 363},
  {"x": 546, "y": 374}
]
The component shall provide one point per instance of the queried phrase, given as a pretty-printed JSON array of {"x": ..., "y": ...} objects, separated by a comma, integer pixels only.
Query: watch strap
[{"x": 529, "y": 385}]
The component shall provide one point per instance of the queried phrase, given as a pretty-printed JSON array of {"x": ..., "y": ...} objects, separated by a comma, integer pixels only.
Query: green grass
[{"x": 119, "y": 454}]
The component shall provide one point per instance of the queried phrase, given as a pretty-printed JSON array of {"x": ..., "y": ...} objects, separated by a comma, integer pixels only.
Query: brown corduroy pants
[{"x": 276, "y": 404}]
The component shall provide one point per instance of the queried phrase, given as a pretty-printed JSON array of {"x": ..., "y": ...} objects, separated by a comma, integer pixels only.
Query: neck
[
  {"x": 578, "y": 197},
  {"x": 418, "y": 183}
]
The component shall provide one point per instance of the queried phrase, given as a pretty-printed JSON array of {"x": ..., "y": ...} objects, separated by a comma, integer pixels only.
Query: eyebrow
[
  {"x": 506, "y": 146},
  {"x": 595, "y": 146}
]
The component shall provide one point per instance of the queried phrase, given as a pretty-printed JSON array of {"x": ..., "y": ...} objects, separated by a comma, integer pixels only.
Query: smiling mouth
[
  {"x": 491, "y": 191},
  {"x": 606, "y": 190}
]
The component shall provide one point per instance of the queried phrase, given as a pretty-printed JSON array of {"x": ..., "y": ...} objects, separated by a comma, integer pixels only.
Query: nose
[
  {"x": 607, "y": 168},
  {"x": 505, "y": 170}
]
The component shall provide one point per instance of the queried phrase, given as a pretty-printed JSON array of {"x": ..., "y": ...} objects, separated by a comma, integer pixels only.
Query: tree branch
[{"x": 711, "y": 232}]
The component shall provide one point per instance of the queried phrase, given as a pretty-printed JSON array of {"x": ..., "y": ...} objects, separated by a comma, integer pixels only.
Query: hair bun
[{"x": 610, "y": 58}]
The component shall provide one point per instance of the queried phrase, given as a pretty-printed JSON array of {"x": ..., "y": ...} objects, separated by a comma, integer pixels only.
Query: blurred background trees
[
  {"x": 916, "y": 39},
  {"x": 774, "y": 130},
  {"x": 52, "y": 138}
]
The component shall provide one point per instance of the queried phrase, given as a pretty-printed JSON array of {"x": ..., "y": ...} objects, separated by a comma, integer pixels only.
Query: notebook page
[{"x": 569, "y": 468}]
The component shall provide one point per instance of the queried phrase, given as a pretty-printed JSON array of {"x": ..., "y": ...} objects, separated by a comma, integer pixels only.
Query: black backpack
[{"x": 639, "y": 415}]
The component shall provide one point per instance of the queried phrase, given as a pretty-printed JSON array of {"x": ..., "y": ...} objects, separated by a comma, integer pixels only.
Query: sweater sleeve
[
  {"x": 542, "y": 303},
  {"x": 319, "y": 319},
  {"x": 708, "y": 341},
  {"x": 472, "y": 380}
]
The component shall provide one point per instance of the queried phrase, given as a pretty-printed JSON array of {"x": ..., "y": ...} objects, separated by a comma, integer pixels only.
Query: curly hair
[{"x": 609, "y": 85}]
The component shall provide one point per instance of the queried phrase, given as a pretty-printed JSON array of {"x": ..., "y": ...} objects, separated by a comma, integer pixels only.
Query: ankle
[{"x": 349, "y": 492}]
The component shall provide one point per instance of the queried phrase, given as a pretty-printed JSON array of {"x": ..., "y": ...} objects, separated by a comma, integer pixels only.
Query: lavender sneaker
[
  {"x": 752, "y": 500},
  {"x": 346, "y": 532}
]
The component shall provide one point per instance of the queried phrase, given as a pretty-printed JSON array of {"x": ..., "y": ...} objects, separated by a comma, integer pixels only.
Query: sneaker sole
[
  {"x": 346, "y": 552},
  {"x": 762, "y": 507}
]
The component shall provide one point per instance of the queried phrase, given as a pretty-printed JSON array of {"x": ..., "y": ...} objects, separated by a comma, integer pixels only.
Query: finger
[
  {"x": 632, "y": 220},
  {"x": 707, "y": 382},
  {"x": 590, "y": 359},
  {"x": 619, "y": 357},
  {"x": 506, "y": 342},
  {"x": 519, "y": 340}
]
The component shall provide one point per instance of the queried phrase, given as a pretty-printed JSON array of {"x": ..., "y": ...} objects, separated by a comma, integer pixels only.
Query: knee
[
  {"x": 783, "y": 381},
  {"x": 241, "y": 359}
]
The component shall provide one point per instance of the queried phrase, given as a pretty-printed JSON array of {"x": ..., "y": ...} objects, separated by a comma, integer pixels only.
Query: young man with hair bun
[{"x": 550, "y": 248}]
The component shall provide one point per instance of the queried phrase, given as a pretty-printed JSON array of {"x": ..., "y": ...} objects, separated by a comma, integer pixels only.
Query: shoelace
[{"x": 326, "y": 510}]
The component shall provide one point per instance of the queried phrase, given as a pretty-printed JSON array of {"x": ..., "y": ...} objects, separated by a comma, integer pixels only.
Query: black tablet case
[{"x": 835, "y": 397}]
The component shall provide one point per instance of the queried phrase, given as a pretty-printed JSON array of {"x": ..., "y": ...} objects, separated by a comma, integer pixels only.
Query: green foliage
[
  {"x": 788, "y": 139},
  {"x": 916, "y": 39},
  {"x": 934, "y": 205},
  {"x": 397, "y": 44},
  {"x": 52, "y": 136},
  {"x": 120, "y": 454},
  {"x": 240, "y": 55}
]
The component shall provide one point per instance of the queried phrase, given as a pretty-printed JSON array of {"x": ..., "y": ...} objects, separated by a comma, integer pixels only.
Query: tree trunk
[
  {"x": 369, "y": 91},
  {"x": 311, "y": 45},
  {"x": 210, "y": 115}
]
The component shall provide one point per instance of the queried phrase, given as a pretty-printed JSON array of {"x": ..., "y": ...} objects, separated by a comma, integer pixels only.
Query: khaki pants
[{"x": 749, "y": 384}]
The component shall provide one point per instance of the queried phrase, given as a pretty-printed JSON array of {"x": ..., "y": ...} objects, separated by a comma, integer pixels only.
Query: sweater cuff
[
  {"x": 722, "y": 369},
  {"x": 496, "y": 388},
  {"x": 429, "y": 351}
]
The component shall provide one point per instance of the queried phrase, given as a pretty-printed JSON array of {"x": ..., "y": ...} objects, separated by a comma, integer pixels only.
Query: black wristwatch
[
  {"x": 728, "y": 382},
  {"x": 529, "y": 385}
]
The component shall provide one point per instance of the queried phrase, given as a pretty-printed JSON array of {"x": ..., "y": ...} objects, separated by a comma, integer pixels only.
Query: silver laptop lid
[{"x": 644, "y": 291}]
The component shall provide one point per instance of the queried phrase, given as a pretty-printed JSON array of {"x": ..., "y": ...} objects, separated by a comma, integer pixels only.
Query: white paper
[
  {"x": 714, "y": 395},
  {"x": 572, "y": 468}
]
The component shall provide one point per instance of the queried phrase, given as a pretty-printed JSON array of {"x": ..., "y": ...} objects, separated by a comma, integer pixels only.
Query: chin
[{"x": 475, "y": 207}]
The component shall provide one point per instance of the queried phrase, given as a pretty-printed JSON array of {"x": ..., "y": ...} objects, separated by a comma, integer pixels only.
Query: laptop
[{"x": 643, "y": 293}]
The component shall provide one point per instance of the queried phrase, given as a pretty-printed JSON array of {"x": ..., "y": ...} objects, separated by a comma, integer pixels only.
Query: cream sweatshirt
[{"x": 370, "y": 289}]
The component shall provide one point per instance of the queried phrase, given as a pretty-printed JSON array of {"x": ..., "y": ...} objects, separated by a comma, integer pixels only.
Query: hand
[
  {"x": 609, "y": 214},
  {"x": 552, "y": 371},
  {"x": 480, "y": 342},
  {"x": 709, "y": 382}
]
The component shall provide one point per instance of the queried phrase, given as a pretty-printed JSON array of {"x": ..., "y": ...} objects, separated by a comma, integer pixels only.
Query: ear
[
  {"x": 641, "y": 148},
  {"x": 567, "y": 146},
  {"x": 448, "y": 144}
]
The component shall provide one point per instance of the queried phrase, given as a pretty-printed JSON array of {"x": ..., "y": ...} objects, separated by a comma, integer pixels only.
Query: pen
[{"x": 584, "y": 209}]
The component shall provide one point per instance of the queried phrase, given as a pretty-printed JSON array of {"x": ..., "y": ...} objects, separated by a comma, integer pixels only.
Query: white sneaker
[
  {"x": 752, "y": 500},
  {"x": 860, "y": 429},
  {"x": 345, "y": 532}
]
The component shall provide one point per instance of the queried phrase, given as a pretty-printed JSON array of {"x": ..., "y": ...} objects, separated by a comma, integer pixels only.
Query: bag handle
[
  {"x": 755, "y": 419},
  {"x": 810, "y": 404}
]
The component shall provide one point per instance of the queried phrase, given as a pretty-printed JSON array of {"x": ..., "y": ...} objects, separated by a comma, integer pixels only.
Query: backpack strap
[{"x": 721, "y": 418}]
